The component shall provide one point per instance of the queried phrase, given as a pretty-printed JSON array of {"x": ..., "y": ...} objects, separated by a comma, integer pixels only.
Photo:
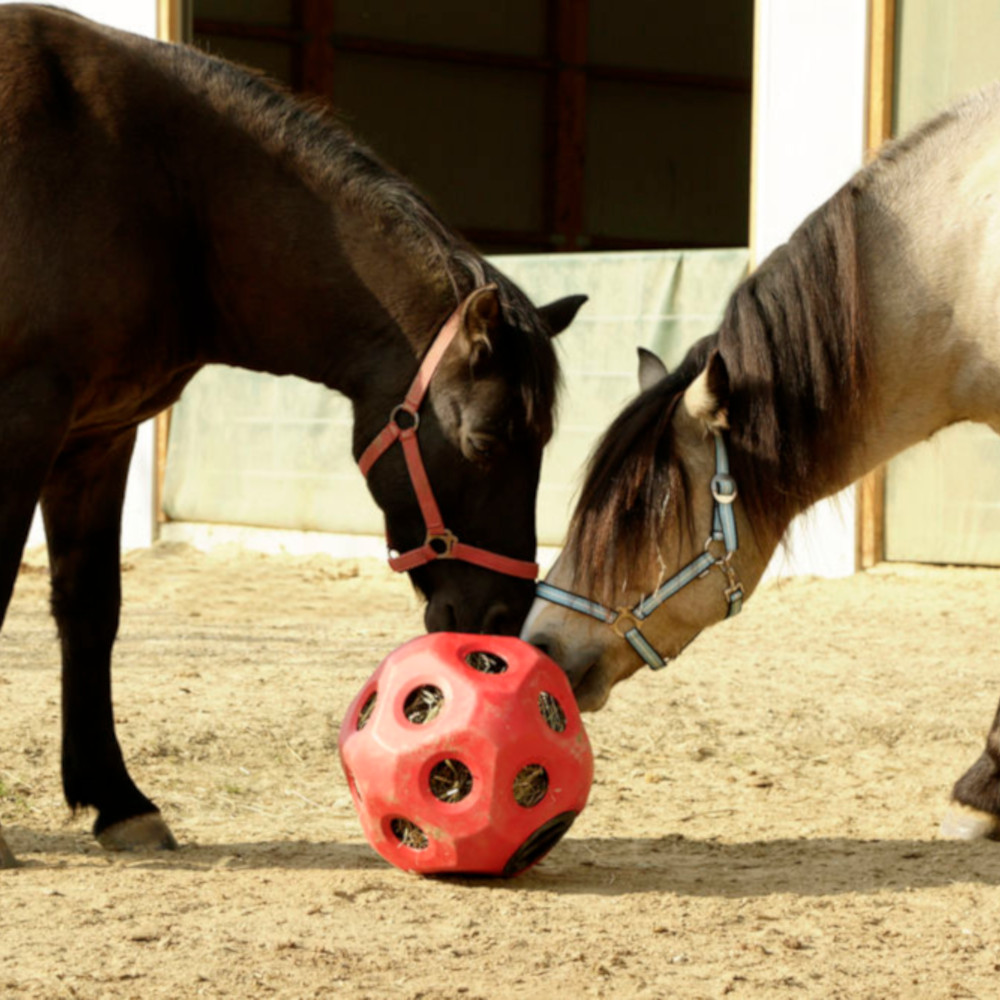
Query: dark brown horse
[
  {"x": 161, "y": 210},
  {"x": 876, "y": 325}
]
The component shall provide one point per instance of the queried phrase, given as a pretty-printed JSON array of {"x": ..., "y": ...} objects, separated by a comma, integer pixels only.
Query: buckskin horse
[
  {"x": 877, "y": 324},
  {"x": 161, "y": 210}
]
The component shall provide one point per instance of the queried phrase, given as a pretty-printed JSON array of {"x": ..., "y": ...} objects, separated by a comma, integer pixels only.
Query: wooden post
[
  {"x": 169, "y": 28},
  {"x": 870, "y": 538},
  {"x": 169, "y": 21},
  {"x": 567, "y": 122},
  {"x": 881, "y": 63},
  {"x": 161, "y": 437},
  {"x": 317, "y": 52}
]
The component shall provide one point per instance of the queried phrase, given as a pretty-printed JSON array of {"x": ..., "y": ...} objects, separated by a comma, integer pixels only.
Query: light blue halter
[{"x": 625, "y": 622}]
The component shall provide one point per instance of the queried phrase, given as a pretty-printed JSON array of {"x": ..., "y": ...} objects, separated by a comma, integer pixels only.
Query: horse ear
[
  {"x": 706, "y": 399},
  {"x": 651, "y": 369},
  {"x": 480, "y": 320},
  {"x": 559, "y": 314}
]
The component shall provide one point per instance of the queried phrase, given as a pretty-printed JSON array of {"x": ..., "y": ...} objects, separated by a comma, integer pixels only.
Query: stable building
[{"x": 643, "y": 152}]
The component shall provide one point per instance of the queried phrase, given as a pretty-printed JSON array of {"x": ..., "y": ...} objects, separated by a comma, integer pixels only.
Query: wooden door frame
[
  {"x": 170, "y": 21},
  {"x": 870, "y": 511}
]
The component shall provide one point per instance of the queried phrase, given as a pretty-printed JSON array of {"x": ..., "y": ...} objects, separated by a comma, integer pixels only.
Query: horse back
[{"x": 93, "y": 232}]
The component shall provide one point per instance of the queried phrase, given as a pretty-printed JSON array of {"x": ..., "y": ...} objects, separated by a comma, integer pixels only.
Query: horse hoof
[
  {"x": 962, "y": 822},
  {"x": 7, "y": 860},
  {"x": 147, "y": 832}
]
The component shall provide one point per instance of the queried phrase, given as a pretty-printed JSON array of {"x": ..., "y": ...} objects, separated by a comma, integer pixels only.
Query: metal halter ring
[
  {"x": 442, "y": 543},
  {"x": 624, "y": 622},
  {"x": 412, "y": 414},
  {"x": 709, "y": 542}
]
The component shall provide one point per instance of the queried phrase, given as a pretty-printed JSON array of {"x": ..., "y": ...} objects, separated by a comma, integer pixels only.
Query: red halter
[{"x": 439, "y": 543}]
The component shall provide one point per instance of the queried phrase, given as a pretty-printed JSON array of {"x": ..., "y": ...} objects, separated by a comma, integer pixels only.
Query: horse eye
[{"x": 482, "y": 446}]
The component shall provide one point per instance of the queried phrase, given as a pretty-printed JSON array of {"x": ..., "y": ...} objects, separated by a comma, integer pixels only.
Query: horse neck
[
  {"x": 308, "y": 287},
  {"x": 317, "y": 261},
  {"x": 842, "y": 354},
  {"x": 932, "y": 288},
  {"x": 920, "y": 228}
]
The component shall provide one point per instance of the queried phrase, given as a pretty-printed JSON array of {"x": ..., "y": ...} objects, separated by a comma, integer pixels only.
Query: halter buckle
[
  {"x": 624, "y": 622},
  {"x": 441, "y": 543}
]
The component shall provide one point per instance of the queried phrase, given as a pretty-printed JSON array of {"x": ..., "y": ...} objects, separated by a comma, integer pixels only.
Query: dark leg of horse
[
  {"x": 82, "y": 503},
  {"x": 975, "y": 806},
  {"x": 34, "y": 414}
]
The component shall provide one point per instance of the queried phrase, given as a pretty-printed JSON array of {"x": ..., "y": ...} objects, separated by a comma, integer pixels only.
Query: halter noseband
[
  {"x": 404, "y": 422},
  {"x": 625, "y": 622}
]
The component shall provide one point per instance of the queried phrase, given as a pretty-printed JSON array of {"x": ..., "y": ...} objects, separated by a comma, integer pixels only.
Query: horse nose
[
  {"x": 542, "y": 645},
  {"x": 573, "y": 662},
  {"x": 498, "y": 618},
  {"x": 543, "y": 641}
]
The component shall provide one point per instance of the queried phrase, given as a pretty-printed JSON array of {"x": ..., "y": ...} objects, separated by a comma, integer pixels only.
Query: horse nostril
[
  {"x": 440, "y": 617},
  {"x": 542, "y": 646},
  {"x": 499, "y": 620}
]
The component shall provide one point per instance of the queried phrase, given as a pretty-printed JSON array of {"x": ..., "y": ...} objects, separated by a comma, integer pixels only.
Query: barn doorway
[{"x": 533, "y": 125}]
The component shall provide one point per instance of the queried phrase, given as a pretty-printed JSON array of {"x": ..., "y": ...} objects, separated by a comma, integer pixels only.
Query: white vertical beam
[{"x": 809, "y": 103}]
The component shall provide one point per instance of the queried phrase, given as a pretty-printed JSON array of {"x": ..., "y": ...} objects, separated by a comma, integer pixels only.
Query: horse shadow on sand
[{"x": 673, "y": 864}]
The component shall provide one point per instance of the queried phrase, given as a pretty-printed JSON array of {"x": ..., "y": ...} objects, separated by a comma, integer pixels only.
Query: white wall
[
  {"x": 139, "y": 521},
  {"x": 129, "y": 15},
  {"x": 808, "y": 138}
]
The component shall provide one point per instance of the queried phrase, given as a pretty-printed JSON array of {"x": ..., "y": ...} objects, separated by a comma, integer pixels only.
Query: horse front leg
[
  {"x": 35, "y": 408},
  {"x": 974, "y": 813},
  {"x": 82, "y": 503}
]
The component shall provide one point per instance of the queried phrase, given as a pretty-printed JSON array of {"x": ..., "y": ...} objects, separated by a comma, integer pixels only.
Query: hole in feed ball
[
  {"x": 539, "y": 844},
  {"x": 552, "y": 713},
  {"x": 423, "y": 704},
  {"x": 530, "y": 785},
  {"x": 366, "y": 709},
  {"x": 450, "y": 780},
  {"x": 409, "y": 834},
  {"x": 486, "y": 663}
]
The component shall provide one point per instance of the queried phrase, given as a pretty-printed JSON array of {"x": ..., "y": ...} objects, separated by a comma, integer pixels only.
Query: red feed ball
[{"x": 466, "y": 754}]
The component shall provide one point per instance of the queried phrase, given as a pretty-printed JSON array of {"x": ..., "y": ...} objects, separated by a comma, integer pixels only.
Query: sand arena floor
[{"x": 762, "y": 823}]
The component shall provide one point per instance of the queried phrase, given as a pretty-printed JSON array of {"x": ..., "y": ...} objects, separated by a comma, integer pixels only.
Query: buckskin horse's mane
[
  {"x": 326, "y": 152},
  {"x": 794, "y": 342}
]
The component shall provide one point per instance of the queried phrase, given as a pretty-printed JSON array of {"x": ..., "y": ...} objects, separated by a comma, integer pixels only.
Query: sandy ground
[{"x": 762, "y": 823}]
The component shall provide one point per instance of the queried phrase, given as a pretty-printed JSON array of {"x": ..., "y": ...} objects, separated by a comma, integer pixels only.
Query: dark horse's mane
[
  {"x": 794, "y": 342},
  {"x": 327, "y": 152}
]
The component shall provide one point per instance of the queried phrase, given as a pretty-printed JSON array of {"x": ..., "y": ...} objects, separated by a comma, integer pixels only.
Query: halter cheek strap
[
  {"x": 624, "y": 622},
  {"x": 404, "y": 422}
]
